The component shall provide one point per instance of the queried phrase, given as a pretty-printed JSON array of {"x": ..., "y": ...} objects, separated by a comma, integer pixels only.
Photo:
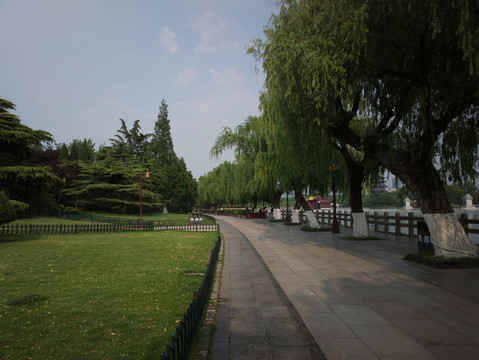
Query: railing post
[
  {"x": 465, "y": 222},
  {"x": 410, "y": 223},
  {"x": 376, "y": 221},
  {"x": 386, "y": 222},
  {"x": 398, "y": 223}
]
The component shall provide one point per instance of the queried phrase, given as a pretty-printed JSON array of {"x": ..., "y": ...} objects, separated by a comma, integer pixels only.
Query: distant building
[
  {"x": 378, "y": 187},
  {"x": 317, "y": 202}
]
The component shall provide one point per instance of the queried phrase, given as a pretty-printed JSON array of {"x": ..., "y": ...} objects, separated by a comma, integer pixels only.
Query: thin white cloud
[
  {"x": 187, "y": 76},
  {"x": 216, "y": 34},
  {"x": 204, "y": 48},
  {"x": 168, "y": 40},
  {"x": 229, "y": 77},
  {"x": 211, "y": 27}
]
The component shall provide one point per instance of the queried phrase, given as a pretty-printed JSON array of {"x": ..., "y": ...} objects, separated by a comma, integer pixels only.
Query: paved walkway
[{"x": 282, "y": 287}]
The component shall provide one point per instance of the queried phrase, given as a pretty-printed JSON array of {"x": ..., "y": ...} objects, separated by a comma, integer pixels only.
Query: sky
[{"x": 75, "y": 67}]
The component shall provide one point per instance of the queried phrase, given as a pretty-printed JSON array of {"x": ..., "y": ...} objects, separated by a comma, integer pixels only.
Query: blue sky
[{"x": 75, "y": 67}]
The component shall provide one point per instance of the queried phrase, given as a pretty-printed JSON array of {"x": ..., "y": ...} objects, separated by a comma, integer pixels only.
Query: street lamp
[
  {"x": 147, "y": 176},
  {"x": 335, "y": 228}
]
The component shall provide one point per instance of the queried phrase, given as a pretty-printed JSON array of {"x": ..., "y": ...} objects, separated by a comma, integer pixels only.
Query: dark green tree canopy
[{"x": 28, "y": 186}]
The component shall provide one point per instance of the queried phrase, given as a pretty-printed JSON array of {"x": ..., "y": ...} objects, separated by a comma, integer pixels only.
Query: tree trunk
[
  {"x": 312, "y": 221},
  {"x": 277, "y": 204},
  {"x": 421, "y": 177},
  {"x": 356, "y": 176},
  {"x": 296, "y": 209}
]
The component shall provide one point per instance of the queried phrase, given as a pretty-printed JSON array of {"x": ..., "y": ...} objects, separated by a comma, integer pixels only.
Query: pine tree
[{"x": 64, "y": 154}]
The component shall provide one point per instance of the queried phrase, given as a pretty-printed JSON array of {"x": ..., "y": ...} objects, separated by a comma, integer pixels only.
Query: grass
[
  {"x": 439, "y": 262},
  {"x": 93, "y": 296},
  {"x": 292, "y": 223},
  {"x": 54, "y": 220},
  {"x": 46, "y": 220}
]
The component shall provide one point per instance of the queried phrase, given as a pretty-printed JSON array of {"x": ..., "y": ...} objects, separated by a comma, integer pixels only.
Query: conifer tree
[{"x": 26, "y": 185}]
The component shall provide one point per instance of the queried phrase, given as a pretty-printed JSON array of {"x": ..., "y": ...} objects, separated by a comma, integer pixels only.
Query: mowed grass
[
  {"x": 91, "y": 296},
  {"x": 54, "y": 220}
]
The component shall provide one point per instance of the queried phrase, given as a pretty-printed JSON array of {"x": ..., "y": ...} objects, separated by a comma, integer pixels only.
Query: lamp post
[
  {"x": 147, "y": 176},
  {"x": 335, "y": 228}
]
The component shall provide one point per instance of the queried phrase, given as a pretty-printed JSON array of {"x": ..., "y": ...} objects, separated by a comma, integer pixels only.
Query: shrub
[{"x": 7, "y": 209}]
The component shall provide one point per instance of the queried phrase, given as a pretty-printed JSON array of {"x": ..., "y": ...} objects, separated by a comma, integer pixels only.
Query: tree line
[
  {"x": 39, "y": 176},
  {"x": 353, "y": 89}
]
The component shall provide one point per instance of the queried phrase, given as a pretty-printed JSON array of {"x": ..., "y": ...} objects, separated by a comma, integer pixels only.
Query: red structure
[{"x": 317, "y": 202}]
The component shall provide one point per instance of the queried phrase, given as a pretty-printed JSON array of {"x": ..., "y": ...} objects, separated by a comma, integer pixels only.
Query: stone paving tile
[
  {"x": 255, "y": 320},
  {"x": 328, "y": 326},
  {"x": 365, "y": 301},
  {"x": 345, "y": 348},
  {"x": 431, "y": 333},
  {"x": 457, "y": 352},
  {"x": 388, "y": 341},
  {"x": 358, "y": 315}
]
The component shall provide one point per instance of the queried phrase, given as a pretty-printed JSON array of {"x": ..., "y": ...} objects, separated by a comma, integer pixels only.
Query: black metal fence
[
  {"x": 181, "y": 340},
  {"x": 26, "y": 229},
  {"x": 100, "y": 223},
  {"x": 208, "y": 224}
]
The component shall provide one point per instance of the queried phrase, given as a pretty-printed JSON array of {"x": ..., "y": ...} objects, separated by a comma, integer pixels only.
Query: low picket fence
[
  {"x": 179, "y": 346},
  {"x": 107, "y": 224},
  {"x": 27, "y": 229}
]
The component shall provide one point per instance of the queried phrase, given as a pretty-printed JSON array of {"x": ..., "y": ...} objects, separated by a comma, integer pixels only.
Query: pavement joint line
[
  {"x": 303, "y": 331},
  {"x": 206, "y": 331}
]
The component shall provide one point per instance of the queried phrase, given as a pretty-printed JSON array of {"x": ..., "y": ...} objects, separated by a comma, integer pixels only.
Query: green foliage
[
  {"x": 64, "y": 153},
  {"x": 109, "y": 185},
  {"x": 131, "y": 143},
  {"x": 7, "y": 210},
  {"x": 20, "y": 179},
  {"x": 175, "y": 183}
]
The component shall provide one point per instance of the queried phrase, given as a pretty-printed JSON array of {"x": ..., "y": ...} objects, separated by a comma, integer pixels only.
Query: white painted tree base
[
  {"x": 448, "y": 236},
  {"x": 295, "y": 218},
  {"x": 360, "y": 224},
  {"x": 312, "y": 221},
  {"x": 277, "y": 214}
]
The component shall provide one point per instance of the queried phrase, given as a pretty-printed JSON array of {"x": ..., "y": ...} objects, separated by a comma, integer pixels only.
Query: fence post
[
  {"x": 398, "y": 223},
  {"x": 376, "y": 220},
  {"x": 410, "y": 224},
  {"x": 386, "y": 222},
  {"x": 465, "y": 222}
]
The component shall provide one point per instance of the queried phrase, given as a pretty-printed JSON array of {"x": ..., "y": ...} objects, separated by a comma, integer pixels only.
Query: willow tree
[
  {"x": 412, "y": 71},
  {"x": 248, "y": 145},
  {"x": 293, "y": 145}
]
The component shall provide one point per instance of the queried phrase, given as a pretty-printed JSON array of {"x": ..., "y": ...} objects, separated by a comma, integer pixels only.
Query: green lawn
[
  {"x": 94, "y": 296},
  {"x": 45, "y": 220}
]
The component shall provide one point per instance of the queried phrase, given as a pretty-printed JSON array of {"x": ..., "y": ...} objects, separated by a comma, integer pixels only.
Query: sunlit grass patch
[{"x": 91, "y": 296}]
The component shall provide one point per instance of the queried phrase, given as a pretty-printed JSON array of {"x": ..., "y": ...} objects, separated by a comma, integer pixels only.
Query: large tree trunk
[
  {"x": 312, "y": 221},
  {"x": 421, "y": 177},
  {"x": 296, "y": 208},
  {"x": 277, "y": 204},
  {"x": 356, "y": 176}
]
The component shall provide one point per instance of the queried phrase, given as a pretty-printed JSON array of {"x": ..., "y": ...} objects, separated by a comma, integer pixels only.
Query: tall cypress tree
[
  {"x": 161, "y": 143},
  {"x": 177, "y": 185}
]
